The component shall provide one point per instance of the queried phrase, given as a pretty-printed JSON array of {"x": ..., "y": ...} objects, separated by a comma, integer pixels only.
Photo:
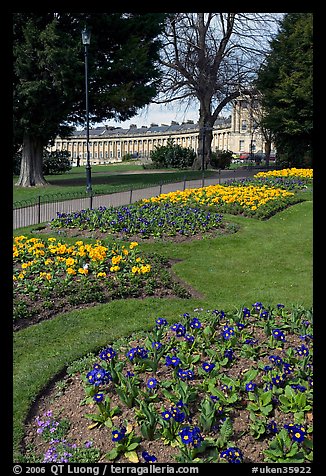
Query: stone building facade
[{"x": 237, "y": 133}]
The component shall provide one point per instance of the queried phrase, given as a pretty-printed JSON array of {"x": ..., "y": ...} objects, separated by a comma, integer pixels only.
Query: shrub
[
  {"x": 56, "y": 162},
  {"x": 173, "y": 155},
  {"x": 221, "y": 159},
  {"x": 127, "y": 158}
]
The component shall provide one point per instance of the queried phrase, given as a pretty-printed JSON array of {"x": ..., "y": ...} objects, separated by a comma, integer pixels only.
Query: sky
[{"x": 159, "y": 114}]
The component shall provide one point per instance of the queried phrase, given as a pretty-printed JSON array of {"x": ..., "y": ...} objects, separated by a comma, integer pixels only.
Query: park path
[{"x": 45, "y": 212}]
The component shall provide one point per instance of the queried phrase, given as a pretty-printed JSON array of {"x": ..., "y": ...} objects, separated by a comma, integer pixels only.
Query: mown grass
[
  {"x": 105, "y": 179},
  {"x": 268, "y": 261}
]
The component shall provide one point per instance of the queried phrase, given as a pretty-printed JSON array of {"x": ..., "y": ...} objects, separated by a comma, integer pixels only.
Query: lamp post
[{"x": 86, "y": 39}]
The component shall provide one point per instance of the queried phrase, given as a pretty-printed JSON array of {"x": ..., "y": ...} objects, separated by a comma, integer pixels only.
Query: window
[
  {"x": 243, "y": 125},
  {"x": 241, "y": 145}
]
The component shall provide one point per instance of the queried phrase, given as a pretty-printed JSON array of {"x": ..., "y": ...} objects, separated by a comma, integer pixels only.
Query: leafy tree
[
  {"x": 212, "y": 58},
  {"x": 285, "y": 81},
  {"x": 48, "y": 75}
]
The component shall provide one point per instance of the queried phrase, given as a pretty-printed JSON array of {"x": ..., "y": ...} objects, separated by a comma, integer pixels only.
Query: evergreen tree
[
  {"x": 285, "y": 81},
  {"x": 49, "y": 81}
]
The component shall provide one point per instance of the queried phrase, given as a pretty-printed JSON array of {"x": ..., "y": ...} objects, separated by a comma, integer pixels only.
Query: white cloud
[{"x": 160, "y": 114}]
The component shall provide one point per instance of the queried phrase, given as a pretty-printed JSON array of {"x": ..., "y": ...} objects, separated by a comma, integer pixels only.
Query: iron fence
[{"x": 45, "y": 208}]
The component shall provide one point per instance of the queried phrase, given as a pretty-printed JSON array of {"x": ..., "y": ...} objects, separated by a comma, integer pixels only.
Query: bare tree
[{"x": 212, "y": 58}]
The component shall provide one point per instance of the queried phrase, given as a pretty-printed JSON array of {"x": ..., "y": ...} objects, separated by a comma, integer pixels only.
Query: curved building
[{"x": 238, "y": 133}]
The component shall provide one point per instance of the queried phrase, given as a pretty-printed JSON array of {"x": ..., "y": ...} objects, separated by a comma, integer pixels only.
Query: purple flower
[
  {"x": 166, "y": 415},
  {"x": 107, "y": 354},
  {"x": 207, "y": 366},
  {"x": 264, "y": 314},
  {"x": 229, "y": 354},
  {"x": 98, "y": 376},
  {"x": 191, "y": 436},
  {"x": 161, "y": 322},
  {"x": 98, "y": 397},
  {"x": 151, "y": 383},
  {"x": 298, "y": 387},
  {"x": 302, "y": 350},
  {"x": 179, "y": 329},
  {"x": 148, "y": 458},
  {"x": 250, "y": 386},
  {"x": 246, "y": 312},
  {"x": 178, "y": 415},
  {"x": 228, "y": 332},
  {"x": 278, "y": 334},
  {"x": 137, "y": 352},
  {"x": 156, "y": 345},
  {"x": 175, "y": 361},
  {"x": 195, "y": 323},
  {"x": 288, "y": 368},
  {"x": 189, "y": 338},
  {"x": 296, "y": 432},
  {"x": 278, "y": 379},
  {"x": 185, "y": 374},
  {"x": 118, "y": 435},
  {"x": 275, "y": 359},
  {"x": 232, "y": 455},
  {"x": 272, "y": 427}
]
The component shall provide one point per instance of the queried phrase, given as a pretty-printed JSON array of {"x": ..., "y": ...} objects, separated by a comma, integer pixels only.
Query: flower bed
[
  {"x": 250, "y": 200},
  {"x": 51, "y": 276},
  {"x": 142, "y": 220},
  {"x": 306, "y": 174},
  {"x": 209, "y": 386}
]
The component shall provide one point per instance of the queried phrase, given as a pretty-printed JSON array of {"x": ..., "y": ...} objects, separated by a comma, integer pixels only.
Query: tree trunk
[
  {"x": 204, "y": 144},
  {"x": 31, "y": 173},
  {"x": 268, "y": 147}
]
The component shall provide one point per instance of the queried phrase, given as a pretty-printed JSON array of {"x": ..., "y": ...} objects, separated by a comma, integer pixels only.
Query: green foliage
[
  {"x": 221, "y": 159},
  {"x": 148, "y": 418},
  {"x": 56, "y": 162},
  {"x": 285, "y": 81},
  {"x": 48, "y": 73},
  {"x": 172, "y": 156},
  {"x": 283, "y": 450},
  {"x": 294, "y": 402},
  {"x": 126, "y": 446},
  {"x": 104, "y": 415}
]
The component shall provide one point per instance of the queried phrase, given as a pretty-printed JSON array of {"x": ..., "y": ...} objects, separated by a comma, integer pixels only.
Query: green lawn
[
  {"x": 105, "y": 179},
  {"x": 268, "y": 261}
]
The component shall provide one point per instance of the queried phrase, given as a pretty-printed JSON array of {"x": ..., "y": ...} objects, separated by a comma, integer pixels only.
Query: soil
[
  {"x": 66, "y": 392},
  {"x": 65, "y": 400},
  {"x": 60, "y": 304}
]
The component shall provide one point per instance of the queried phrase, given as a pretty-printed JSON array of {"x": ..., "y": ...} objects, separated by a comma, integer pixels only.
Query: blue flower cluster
[
  {"x": 139, "y": 352},
  {"x": 232, "y": 455},
  {"x": 197, "y": 374},
  {"x": 191, "y": 436},
  {"x": 145, "y": 219},
  {"x": 98, "y": 376}
]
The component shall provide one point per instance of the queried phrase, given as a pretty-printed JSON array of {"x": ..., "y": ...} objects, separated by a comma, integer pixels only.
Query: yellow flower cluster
[
  {"x": 248, "y": 197},
  {"x": 293, "y": 172},
  {"x": 52, "y": 258}
]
